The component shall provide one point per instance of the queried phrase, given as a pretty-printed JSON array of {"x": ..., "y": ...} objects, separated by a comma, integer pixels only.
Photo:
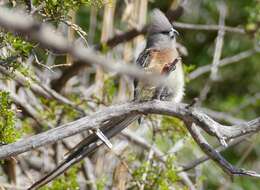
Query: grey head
[{"x": 161, "y": 32}]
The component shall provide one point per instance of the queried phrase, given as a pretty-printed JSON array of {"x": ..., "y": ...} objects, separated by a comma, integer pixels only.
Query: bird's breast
[
  {"x": 159, "y": 58},
  {"x": 158, "y": 61}
]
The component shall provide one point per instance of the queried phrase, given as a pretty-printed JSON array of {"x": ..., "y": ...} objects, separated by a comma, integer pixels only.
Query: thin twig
[
  {"x": 47, "y": 38},
  {"x": 223, "y": 62},
  {"x": 203, "y": 159},
  {"x": 39, "y": 63},
  {"x": 217, "y": 54},
  {"x": 60, "y": 65},
  {"x": 208, "y": 27},
  {"x": 41, "y": 89},
  {"x": 216, "y": 156}
]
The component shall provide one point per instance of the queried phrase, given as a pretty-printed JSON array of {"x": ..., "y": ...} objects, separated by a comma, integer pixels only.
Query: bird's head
[{"x": 160, "y": 28}]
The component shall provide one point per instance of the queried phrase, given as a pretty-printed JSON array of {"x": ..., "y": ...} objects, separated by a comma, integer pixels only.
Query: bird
[{"x": 160, "y": 56}]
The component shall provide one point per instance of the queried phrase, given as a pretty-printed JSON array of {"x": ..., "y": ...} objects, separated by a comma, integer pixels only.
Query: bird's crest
[{"x": 159, "y": 22}]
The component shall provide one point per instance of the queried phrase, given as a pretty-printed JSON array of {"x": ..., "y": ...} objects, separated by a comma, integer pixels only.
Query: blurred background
[{"x": 117, "y": 29}]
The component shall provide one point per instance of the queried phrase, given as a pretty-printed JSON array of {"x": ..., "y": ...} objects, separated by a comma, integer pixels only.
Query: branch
[
  {"x": 141, "y": 142},
  {"x": 47, "y": 38},
  {"x": 40, "y": 89},
  {"x": 216, "y": 156},
  {"x": 106, "y": 118},
  {"x": 217, "y": 53},
  {"x": 28, "y": 109},
  {"x": 131, "y": 34},
  {"x": 222, "y": 116},
  {"x": 67, "y": 74},
  {"x": 226, "y": 61},
  {"x": 101, "y": 117},
  {"x": 77, "y": 66},
  {"x": 208, "y": 27},
  {"x": 24, "y": 82},
  {"x": 202, "y": 159},
  {"x": 219, "y": 43},
  {"x": 172, "y": 15}
]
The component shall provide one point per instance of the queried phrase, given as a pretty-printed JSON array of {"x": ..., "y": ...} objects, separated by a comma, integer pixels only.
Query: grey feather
[
  {"x": 160, "y": 31},
  {"x": 159, "y": 22},
  {"x": 142, "y": 61}
]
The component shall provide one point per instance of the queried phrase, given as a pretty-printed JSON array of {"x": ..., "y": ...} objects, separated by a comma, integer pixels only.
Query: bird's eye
[{"x": 171, "y": 34}]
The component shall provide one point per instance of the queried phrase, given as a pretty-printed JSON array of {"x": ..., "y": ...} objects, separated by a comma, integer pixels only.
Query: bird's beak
[{"x": 173, "y": 33}]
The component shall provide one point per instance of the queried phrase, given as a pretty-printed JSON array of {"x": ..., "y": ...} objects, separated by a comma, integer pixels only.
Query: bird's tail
[{"x": 86, "y": 147}]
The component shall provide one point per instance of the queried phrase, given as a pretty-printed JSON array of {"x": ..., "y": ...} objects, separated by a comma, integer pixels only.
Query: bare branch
[
  {"x": 222, "y": 116},
  {"x": 226, "y": 61},
  {"x": 21, "y": 80},
  {"x": 129, "y": 35},
  {"x": 219, "y": 43},
  {"x": 89, "y": 172},
  {"x": 28, "y": 109},
  {"x": 250, "y": 101},
  {"x": 45, "y": 36},
  {"x": 40, "y": 89},
  {"x": 132, "y": 137},
  {"x": 100, "y": 117},
  {"x": 217, "y": 53},
  {"x": 115, "y": 125},
  {"x": 208, "y": 27},
  {"x": 141, "y": 142},
  {"x": 216, "y": 156},
  {"x": 203, "y": 159}
]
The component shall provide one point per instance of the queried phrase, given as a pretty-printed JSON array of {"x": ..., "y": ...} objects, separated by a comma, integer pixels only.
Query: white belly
[{"x": 176, "y": 83}]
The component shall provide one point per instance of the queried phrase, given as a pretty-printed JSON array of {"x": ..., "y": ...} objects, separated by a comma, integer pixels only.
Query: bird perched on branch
[{"x": 159, "y": 57}]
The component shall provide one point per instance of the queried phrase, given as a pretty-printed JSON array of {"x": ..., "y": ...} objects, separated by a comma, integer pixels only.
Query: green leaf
[{"x": 8, "y": 132}]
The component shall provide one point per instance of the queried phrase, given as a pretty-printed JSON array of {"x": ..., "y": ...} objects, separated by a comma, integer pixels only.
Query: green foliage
[
  {"x": 57, "y": 9},
  {"x": 15, "y": 47},
  {"x": 26, "y": 71},
  {"x": 8, "y": 132},
  {"x": 26, "y": 126},
  {"x": 109, "y": 89},
  {"x": 16, "y": 44},
  {"x": 53, "y": 110},
  {"x": 173, "y": 127},
  {"x": 158, "y": 177},
  {"x": 66, "y": 182},
  {"x": 101, "y": 183},
  {"x": 253, "y": 25},
  {"x": 169, "y": 132},
  {"x": 189, "y": 68},
  {"x": 104, "y": 48}
]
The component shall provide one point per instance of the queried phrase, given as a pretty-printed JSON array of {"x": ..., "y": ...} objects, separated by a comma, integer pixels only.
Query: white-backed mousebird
[{"x": 160, "y": 56}]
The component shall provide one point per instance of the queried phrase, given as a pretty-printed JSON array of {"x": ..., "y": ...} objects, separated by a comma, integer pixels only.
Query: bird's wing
[
  {"x": 142, "y": 61},
  {"x": 160, "y": 61}
]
